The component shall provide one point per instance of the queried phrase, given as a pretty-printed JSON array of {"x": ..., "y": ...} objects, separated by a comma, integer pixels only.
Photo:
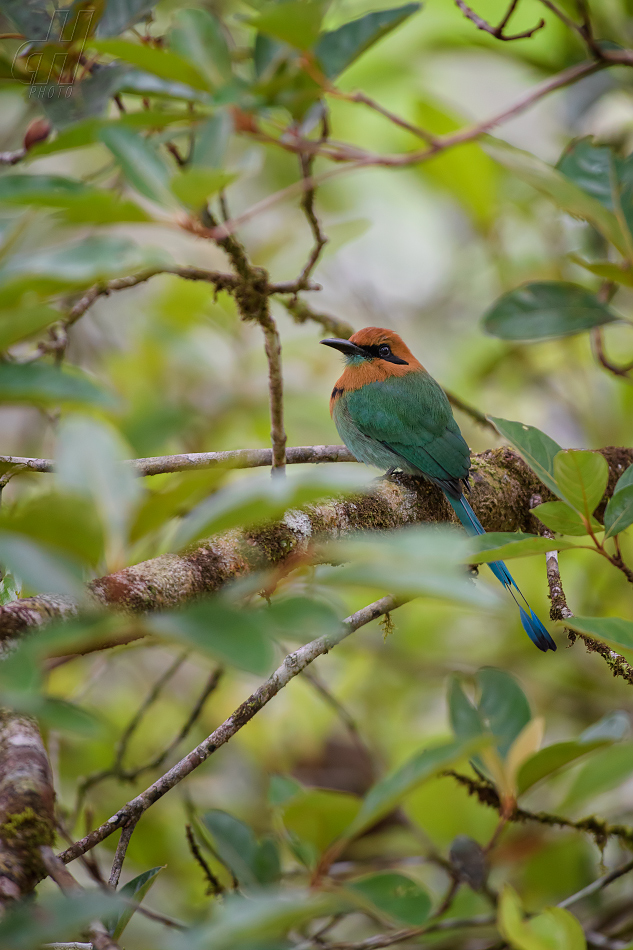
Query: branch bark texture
[
  {"x": 502, "y": 489},
  {"x": 27, "y": 800}
]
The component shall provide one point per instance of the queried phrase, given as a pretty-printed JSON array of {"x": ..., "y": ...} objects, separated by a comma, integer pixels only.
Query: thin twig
[
  {"x": 497, "y": 31},
  {"x": 399, "y": 936},
  {"x": 346, "y": 718},
  {"x": 214, "y": 886},
  {"x": 293, "y": 664},
  {"x": 597, "y": 345},
  {"x": 475, "y": 414},
  {"x": 121, "y": 850},
  {"x": 307, "y": 204},
  {"x": 272, "y": 345},
  {"x": 361, "y": 97},
  {"x": 597, "y": 885}
]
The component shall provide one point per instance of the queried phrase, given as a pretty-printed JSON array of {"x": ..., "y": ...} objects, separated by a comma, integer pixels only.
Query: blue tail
[{"x": 531, "y": 624}]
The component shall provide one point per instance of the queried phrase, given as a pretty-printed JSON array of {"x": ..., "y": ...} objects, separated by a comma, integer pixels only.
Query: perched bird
[{"x": 392, "y": 414}]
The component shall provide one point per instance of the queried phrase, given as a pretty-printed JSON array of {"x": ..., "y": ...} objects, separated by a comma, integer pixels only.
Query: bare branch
[
  {"x": 121, "y": 850},
  {"x": 597, "y": 345},
  {"x": 213, "y": 885},
  {"x": 597, "y": 885},
  {"x": 497, "y": 31},
  {"x": 275, "y": 393},
  {"x": 301, "y": 313},
  {"x": 293, "y": 664},
  {"x": 320, "y": 238}
]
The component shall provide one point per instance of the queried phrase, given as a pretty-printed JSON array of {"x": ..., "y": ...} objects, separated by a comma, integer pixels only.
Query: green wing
[{"x": 412, "y": 416}]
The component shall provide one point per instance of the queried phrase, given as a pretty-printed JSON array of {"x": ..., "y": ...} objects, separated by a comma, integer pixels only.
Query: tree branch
[
  {"x": 497, "y": 31},
  {"x": 293, "y": 664},
  {"x": 502, "y": 490},
  {"x": 27, "y": 799}
]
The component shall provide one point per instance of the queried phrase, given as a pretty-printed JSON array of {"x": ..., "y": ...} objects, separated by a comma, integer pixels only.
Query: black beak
[{"x": 344, "y": 346}]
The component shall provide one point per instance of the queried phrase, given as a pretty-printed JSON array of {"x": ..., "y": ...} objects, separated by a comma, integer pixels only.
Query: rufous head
[{"x": 382, "y": 350}]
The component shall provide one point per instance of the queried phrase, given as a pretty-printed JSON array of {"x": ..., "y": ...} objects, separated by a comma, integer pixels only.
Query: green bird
[{"x": 392, "y": 414}]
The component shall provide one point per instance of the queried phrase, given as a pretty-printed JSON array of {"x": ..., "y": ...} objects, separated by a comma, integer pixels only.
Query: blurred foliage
[{"x": 365, "y": 798}]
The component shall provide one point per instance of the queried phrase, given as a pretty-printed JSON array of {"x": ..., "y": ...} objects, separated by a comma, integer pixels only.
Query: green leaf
[
  {"x": 198, "y": 37},
  {"x": 554, "y": 929},
  {"x": 23, "y": 322},
  {"x": 556, "y": 186},
  {"x": 502, "y": 706},
  {"x": 537, "y": 449},
  {"x": 619, "y": 512},
  {"x": 557, "y": 516},
  {"x": 544, "y": 310},
  {"x": 62, "y": 520},
  {"x": 41, "y": 569},
  {"x": 140, "y": 162},
  {"x": 553, "y": 758},
  {"x": 582, "y": 479},
  {"x": 301, "y": 618},
  {"x": 266, "y": 862},
  {"x": 194, "y": 186},
  {"x": 212, "y": 139},
  {"x": 465, "y": 719},
  {"x": 83, "y": 263},
  {"x": 258, "y": 920},
  {"x": 45, "y": 385},
  {"x": 621, "y": 274},
  {"x": 395, "y": 895},
  {"x": 226, "y": 634},
  {"x": 412, "y": 562},
  {"x": 296, "y": 22},
  {"x": 317, "y": 817},
  {"x": 85, "y": 99},
  {"x": 58, "y": 918},
  {"x": 135, "y": 890},
  {"x": 613, "y": 629},
  {"x": 615, "y": 725},
  {"x": 338, "y": 49},
  {"x": 502, "y": 545},
  {"x": 120, "y": 15},
  {"x": 89, "y": 460},
  {"x": 466, "y": 172},
  {"x": 176, "y": 496},
  {"x": 625, "y": 480},
  {"x": 75, "y": 202},
  {"x": 139, "y": 83},
  {"x": 162, "y": 63},
  {"x": 234, "y": 843},
  {"x": 591, "y": 168},
  {"x": 386, "y": 794},
  {"x": 608, "y": 769},
  {"x": 29, "y": 16},
  {"x": 282, "y": 788}
]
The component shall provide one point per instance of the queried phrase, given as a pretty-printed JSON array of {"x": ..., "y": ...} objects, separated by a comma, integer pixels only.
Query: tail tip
[{"x": 536, "y": 631}]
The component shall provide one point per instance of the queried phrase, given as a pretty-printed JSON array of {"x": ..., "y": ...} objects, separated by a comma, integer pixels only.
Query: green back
[{"x": 412, "y": 416}]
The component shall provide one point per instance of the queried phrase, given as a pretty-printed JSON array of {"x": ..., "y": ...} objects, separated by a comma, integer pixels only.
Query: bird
[{"x": 391, "y": 413}]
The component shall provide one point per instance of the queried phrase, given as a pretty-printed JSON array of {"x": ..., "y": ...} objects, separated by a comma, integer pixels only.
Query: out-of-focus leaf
[
  {"x": 212, "y": 139},
  {"x": 282, "y": 788},
  {"x": 266, "y": 862},
  {"x": 550, "y": 182},
  {"x": 619, "y": 512},
  {"x": 258, "y": 920},
  {"x": 503, "y": 706},
  {"x": 175, "y": 497},
  {"x": 296, "y": 22},
  {"x": 39, "y": 568},
  {"x": 543, "y": 310},
  {"x": 502, "y": 545},
  {"x": 535, "y": 446},
  {"x": 605, "y": 269},
  {"x": 607, "y": 769},
  {"x": 554, "y": 929},
  {"x": 29, "y": 16},
  {"x": 410, "y": 562},
  {"x": 140, "y": 162},
  {"x": 59, "y": 520},
  {"x": 301, "y": 618},
  {"x": 338, "y": 49},
  {"x": 317, "y": 817},
  {"x": 581, "y": 478},
  {"x": 85, "y": 262},
  {"x": 234, "y": 843},
  {"x": 258, "y": 498},
  {"x": 625, "y": 480},
  {"x": 137, "y": 82},
  {"x": 45, "y": 385},
  {"x": 560, "y": 517},
  {"x": 58, "y": 918},
  {"x": 160, "y": 62},
  {"x": 227, "y": 634},
  {"x": 84, "y": 99},
  {"x": 120, "y": 15},
  {"x": 134, "y": 890},
  {"x": 465, "y": 172},
  {"x": 22, "y": 322},
  {"x": 386, "y": 794},
  {"x": 194, "y": 186},
  {"x": 465, "y": 719},
  {"x": 615, "y": 725},
  {"x": 87, "y": 132},
  {"x": 89, "y": 460},
  {"x": 197, "y": 36},
  {"x": 591, "y": 167},
  {"x": 553, "y": 758},
  {"x": 613, "y": 629},
  {"x": 468, "y": 858},
  {"x": 399, "y": 897},
  {"x": 75, "y": 202}
]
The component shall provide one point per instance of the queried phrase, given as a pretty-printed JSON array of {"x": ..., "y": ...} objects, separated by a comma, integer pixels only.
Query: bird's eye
[{"x": 384, "y": 351}]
